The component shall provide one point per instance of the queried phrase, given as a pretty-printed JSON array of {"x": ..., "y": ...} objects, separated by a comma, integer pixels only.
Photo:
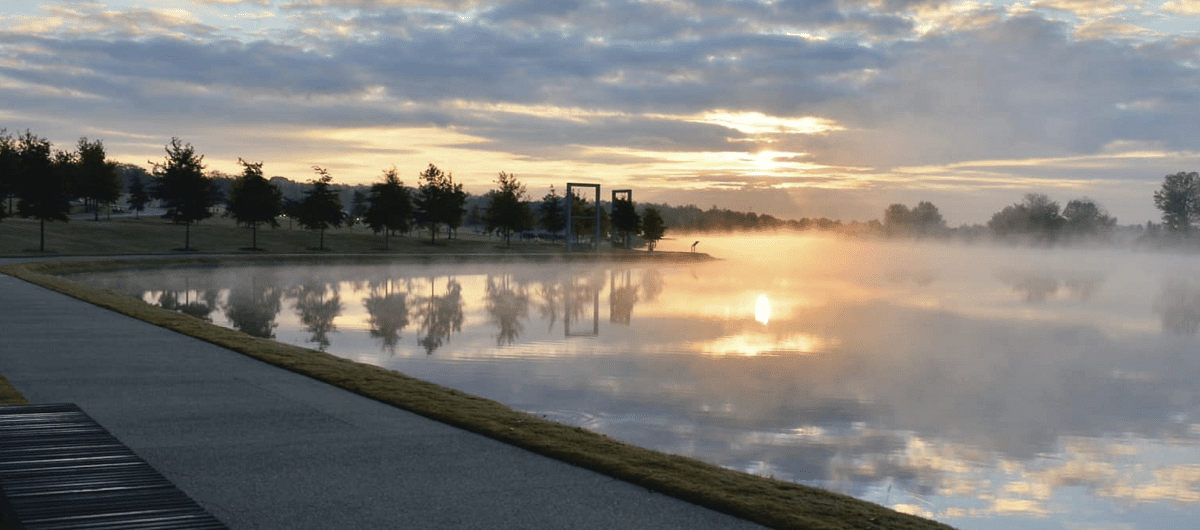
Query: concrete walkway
[{"x": 264, "y": 448}]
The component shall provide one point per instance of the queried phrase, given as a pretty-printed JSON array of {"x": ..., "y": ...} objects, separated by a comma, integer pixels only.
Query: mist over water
[{"x": 982, "y": 386}]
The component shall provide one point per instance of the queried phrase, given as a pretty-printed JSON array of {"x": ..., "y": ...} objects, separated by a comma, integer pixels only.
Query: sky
[{"x": 796, "y": 108}]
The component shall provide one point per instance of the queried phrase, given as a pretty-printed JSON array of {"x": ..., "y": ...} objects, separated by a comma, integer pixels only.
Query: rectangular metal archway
[{"x": 571, "y": 212}]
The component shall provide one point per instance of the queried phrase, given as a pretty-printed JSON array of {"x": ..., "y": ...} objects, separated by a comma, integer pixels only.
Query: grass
[{"x": 770, "y": 502}]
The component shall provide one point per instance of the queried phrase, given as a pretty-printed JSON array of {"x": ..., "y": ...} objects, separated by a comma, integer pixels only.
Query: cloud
[
  {"x": 1083, "y": 8},
  {"x": 264, "y": 3},
  {"x": 1181, "y": 7}
]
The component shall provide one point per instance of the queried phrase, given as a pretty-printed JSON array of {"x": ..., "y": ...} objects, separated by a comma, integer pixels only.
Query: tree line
[{"x": 44, "y": 182}]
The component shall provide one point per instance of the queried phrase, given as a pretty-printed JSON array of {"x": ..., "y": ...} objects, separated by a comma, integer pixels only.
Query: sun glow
[{"x": 762, "y": 310}]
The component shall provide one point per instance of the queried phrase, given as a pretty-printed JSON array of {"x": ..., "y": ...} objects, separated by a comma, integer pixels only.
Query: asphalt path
[{"x": 264, "y": 448}]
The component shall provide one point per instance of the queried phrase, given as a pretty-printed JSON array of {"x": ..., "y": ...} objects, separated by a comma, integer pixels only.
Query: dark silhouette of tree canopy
[
  {"x": 253, "y": 200},
  {"x": 653, "y": 227},
  {"x": 138, "y": 196},
  {"x": 551, "y": 213},
  {"x": 44, "y": 190},
  {"x": 1179, "y": 200},
  {"x": 439, "y": 201},
  {"x": 10, "y": 165},
  {"x": 96, "y": 178},
  {"x": 923, "y": 220},
  {"x": 1083, "y": 217},
  {"x": 1037, "y": 217},
  {"x": 183, "y": 188},
  {"x": 389, "y": 206},
  {"x": 321, "y": 207},
  {"x": 508, "y": 211},
  {"x": 625, "y": 220}
]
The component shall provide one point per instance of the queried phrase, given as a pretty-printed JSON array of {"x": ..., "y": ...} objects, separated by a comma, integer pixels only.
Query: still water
[{"x": 984, "y": 387}]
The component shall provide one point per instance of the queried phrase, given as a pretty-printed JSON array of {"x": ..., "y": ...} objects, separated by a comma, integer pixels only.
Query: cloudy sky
[{"x": 798, "y": 108}]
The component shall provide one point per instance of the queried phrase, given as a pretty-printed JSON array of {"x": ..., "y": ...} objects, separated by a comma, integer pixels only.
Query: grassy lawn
[{"x": 767, "y": 501}]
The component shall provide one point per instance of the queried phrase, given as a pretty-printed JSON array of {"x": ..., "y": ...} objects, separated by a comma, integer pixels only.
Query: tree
[
  {"x": 10, "y": 165},
  {"x": 389, "y": 206},
  {"x": 897, "y": 220},
  {"x": 1036, "y": 216},
  {"x": 182, "y": 187},
  {"x": 626, "y": 221},
  {"x": 1084, "y": 217},
  {"x": 508, "y": 211},
  {"x": 254, "y": 200},
  {"x": 552, "y": 219},
  {"x": 138, "y": 197},
  {"x": 653, "y": 227},
  {"x": 96, "y": 178},
  {"x": 321, "y": 207},
  {"x": 44, "y": 189},
  {"x": 923, "y": 220},
  {"x": 1179, "y": 200},
  {"x": 439, "y": 201}
]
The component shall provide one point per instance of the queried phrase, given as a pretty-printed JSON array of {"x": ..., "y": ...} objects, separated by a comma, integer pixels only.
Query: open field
[{"x": 767, "y": 501}]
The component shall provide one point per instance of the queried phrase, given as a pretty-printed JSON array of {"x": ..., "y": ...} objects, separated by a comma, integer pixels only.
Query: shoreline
[{"x": 759, "y": 499}]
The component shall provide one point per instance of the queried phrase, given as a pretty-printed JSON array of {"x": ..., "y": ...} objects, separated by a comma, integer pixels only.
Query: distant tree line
[{"x": 40, "y": 182}]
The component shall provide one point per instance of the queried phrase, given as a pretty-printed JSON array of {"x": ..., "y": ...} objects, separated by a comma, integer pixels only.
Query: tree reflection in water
[
  {"x": 507, "y": 301},
  {"x": 1178, "y": 303},
  {"x": 440, "y": 315},
  {"x": 252, "y": 309},
  {"x": 388, "y": 311},
  {"x": 205, "y": 304},
  {"x": 318, "y": 303},
  {"x": 622, "y": 296}
]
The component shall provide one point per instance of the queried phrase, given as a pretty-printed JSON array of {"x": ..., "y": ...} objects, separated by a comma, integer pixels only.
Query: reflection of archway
[
  {"x": 575, "y": 297},
  {"x": 571, "y": 213}
]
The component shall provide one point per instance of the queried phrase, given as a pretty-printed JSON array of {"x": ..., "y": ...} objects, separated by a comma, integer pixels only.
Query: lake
[{"x": 985, "y": 387}]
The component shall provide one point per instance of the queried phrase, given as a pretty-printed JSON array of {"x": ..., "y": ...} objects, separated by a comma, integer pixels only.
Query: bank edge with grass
[{"x": 774, "y": 503}]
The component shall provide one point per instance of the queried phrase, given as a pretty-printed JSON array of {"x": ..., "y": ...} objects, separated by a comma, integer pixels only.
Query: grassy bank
[{"x": 770, "y": 502}]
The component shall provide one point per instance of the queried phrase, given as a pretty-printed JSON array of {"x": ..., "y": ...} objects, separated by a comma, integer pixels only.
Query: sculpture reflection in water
[
  {"x": 579, "y": 290},
  {"x": 622, "y": 296}
]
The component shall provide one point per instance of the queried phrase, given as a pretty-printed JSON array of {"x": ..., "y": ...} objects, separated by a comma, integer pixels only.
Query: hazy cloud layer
[{"x": 890, "y": 98}]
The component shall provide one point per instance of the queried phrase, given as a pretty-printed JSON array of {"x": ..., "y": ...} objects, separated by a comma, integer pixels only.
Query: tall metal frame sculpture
[
  {"x": 628, "y": 197},
  {"x": 571, "y": 212}
]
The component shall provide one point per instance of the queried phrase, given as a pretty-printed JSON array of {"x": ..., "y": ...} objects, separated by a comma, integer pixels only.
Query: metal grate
[{"x": 60, "y": 470}]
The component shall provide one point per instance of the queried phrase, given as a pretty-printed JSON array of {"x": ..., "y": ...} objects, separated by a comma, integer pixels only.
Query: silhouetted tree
[
  {"x": 439, "y": 201},
  {"x": 1179, "y": 200},
  {"x": 1037, "y": 216},
  {"x": 183, "y": 188},
  {"x": 96, "y": 178},
  {"x": 10, "y": 165},
  {"x": 551, "y": 212},
  {"x": 138, "y": 196},
  {"x": 626, "y": 221},
  {"x": 923, "y": 220},
  {"x": 508, "y": 211},
  {"x": 44, "y": 192},
  {"x": 358, "y": 208},
  {"x": 653, "y": 227},
  {"x": 1084, "y": 217},
  {"x": 389, "y": 206},
  {"x": 254, "y": 200},
  {"x": 321, "y": 207}
]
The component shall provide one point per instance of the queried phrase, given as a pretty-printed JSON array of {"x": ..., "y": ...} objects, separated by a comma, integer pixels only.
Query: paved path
[{"x": 264, "y": 448}]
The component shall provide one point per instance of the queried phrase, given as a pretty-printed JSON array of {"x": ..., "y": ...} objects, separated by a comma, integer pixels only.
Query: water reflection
[
  {"x": 439, "y": 315},
  {"x": 926, "y": 379},
  {"x": 387, "y": 305}
]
